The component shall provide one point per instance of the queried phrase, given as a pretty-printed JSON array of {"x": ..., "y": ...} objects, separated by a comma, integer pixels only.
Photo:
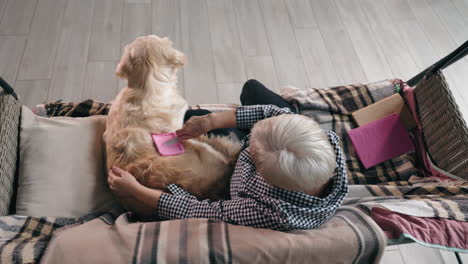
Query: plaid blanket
[
  {"x": 396, "y": 185},
  {"x": 24, "y": 239},
  {"x": 207, "y": 241},
  {"x": 120, "y": 239}
]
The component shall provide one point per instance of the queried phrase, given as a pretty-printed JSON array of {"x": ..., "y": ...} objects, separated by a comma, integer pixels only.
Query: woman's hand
[
  {"x": 138, "y": 198},
  {"x": 195, "y": 127},
  {"x": 122, "y": 182}
]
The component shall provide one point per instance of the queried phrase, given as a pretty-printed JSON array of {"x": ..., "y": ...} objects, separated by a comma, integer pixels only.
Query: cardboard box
[{"x": 383, "y": 108}]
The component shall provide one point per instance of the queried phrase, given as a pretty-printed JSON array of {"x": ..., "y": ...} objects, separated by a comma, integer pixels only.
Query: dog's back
[{"x": 204, "y": 169}]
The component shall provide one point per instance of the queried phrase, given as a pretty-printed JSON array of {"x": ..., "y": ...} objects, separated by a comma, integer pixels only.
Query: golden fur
[{"x": 151, "y": 104}]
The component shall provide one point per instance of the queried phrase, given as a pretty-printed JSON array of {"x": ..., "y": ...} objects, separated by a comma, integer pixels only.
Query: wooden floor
[{"x": 68, "y": 49}]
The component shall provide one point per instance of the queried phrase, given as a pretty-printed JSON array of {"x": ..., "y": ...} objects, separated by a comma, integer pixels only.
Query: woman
[{"x": 290, "y": 174}]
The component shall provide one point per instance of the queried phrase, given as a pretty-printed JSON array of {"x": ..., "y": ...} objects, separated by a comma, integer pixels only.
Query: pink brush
[{"x": 168, "y": 144}]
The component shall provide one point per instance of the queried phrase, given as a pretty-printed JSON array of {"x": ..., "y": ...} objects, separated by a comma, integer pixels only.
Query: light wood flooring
[{"x": 68, "y": 49}]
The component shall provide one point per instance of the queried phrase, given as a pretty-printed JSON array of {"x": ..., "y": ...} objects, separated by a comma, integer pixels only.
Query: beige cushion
[{"x": 62, "y": 166}]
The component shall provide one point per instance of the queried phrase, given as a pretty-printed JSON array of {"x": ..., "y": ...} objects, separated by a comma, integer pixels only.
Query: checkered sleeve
[
  {"x": 262, "y": 212},
  {"x": 247, "y": 116}
]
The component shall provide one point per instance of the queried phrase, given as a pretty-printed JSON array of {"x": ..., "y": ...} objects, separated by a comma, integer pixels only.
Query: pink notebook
[{"x": 381, "y": 140}]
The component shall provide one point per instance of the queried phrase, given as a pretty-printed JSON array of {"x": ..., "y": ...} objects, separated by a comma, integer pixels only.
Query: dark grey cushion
[{"x": 10, "y": 110}]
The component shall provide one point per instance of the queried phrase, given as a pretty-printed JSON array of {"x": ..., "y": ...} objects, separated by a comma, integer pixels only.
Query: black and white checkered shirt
[{"x": 253, "y": 201}]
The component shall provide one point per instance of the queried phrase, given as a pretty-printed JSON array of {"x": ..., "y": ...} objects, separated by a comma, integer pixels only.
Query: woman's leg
[
  {"x": 254, "y": 93},
  {"x": 217, "y": 132}
]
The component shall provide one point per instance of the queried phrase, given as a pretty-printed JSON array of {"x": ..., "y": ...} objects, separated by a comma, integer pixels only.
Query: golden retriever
[{"x": 151, "y": 103}]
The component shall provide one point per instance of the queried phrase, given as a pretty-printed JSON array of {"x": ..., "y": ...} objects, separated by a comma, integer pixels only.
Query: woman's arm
[
  {"x": 226, "y": 119},
  {"x": 147, "y": 196},
  {"x": 199, "y": 125},
  {"x": 263, "y": 212},
  {"x": 247, "y": 116},
  {"x": 244, "y": 117}
]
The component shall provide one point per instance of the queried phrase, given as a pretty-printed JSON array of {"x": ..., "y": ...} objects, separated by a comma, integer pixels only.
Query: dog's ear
[
  {"x": 177, "y": 59},
  {"x": 172, "y": 55},
  {"x": 125, "y": 65}
]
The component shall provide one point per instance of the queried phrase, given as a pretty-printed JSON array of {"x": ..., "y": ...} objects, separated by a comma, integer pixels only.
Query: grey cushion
[
  {"x": 62, "y": 169},
  {"x": 10, "y": 110}
]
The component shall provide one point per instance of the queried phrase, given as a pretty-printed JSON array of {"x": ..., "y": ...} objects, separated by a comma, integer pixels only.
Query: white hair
[{"x": 292, "y": 152}]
